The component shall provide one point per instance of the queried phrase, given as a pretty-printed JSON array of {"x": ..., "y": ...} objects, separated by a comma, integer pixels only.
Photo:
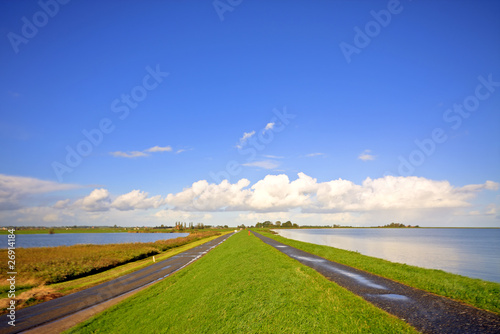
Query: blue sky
[{"x": 332, "y": 112}]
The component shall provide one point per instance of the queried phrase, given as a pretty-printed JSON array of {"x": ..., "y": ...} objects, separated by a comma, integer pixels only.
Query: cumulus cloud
[
  {"x": 366, "y": 156},
  {"x": 136, "y": 199},
  {"x": 15, "y": 189},
  {"x": 97, "y": 200},
  {"x": 204, "y": 196},
  {"x": 144, "y": 153},
  {"x": 278, "y": 193}
]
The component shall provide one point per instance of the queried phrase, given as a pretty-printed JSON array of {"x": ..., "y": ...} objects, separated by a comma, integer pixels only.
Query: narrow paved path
[
  {"x": 427, "y": 312},
  {"x": 61, "y": 307}
]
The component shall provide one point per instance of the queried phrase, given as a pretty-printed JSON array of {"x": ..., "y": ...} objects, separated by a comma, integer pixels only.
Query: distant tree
[
  {"x": 295, "y": 225},
  {"x": 278, "y": 224},
  {"x": 267, "y": 223},
  {"x": 287, "y": 224}
]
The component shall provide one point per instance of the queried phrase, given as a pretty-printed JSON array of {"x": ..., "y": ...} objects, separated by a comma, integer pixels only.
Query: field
[
  {"x": 40, "y": 268},
  {"x": 245, "y": 286},
  {"x": 475, "y": 292}
]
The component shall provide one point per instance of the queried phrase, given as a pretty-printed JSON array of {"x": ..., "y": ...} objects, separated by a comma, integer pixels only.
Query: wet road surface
[
  {"x": 426, "y": 312},
  {"x": 55, "y": 309}
]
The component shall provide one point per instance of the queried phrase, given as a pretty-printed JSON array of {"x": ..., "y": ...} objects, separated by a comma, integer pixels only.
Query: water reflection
[{"x": 469, "y": 252}]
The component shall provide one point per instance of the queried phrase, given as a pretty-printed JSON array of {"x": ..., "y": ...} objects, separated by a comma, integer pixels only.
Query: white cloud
[
  {"x": 243, "y": 140},
  {"x": 159, "y": 149},
  {"x": 132, "y": 154},
  {"x": 366, "y": 156},
  {"x": 144, "y": 153},
  {"x": 272, "y": 156},
  {"x": 269, "y": 126},
  {"x": 265, "y": 164},
  {"x": 202, "y": 196},
  {"x": 62, "y": 204},
  {"x": 310, "y": 155},
  {"x": 278, "y": 193},
  {"x": 15, "y": 189},
  {"x": 97, "y": 200},
  {"x": 136, "y": 199}
]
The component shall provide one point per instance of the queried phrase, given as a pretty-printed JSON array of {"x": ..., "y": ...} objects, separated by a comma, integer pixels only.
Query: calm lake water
[
  {"x": 68, "y": 239},
  {"x": 468, "y": 252}
]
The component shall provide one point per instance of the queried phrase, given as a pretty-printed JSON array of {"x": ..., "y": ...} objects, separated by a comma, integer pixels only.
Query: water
[
  {"x": 469, "y": 252},
  {"x": 68, "y": 239}
]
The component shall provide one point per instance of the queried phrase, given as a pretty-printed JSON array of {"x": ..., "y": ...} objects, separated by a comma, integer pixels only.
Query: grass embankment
[
  {"x": 82, "y": 266},
  {"x": 475, "y": 292},
  {"x": 244, "y": 286}
]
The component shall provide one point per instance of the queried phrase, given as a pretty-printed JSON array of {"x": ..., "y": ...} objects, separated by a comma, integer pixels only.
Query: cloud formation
[
  {"x": 265, "y": 164},
  {"x": 278, "y": 193},
  {"x": 144, "y": 153},
  {"x": 15, "y": 189},
  {"x": 136, "y": 199},
  {"x": 303, "y": 199},
  {"x": 97, "y": 200},
  {"x": 244, "y": 139},
  {"x": 366, "y": 156},
  {"x": 269, "y": 126}
]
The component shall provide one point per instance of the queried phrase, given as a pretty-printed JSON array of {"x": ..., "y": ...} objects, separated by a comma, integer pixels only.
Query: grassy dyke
[
  {"x": 92, "y": 280},
  {"x": 475, "y": 292},
  {"x": 244, "y": 286},
  {"x": 40, "y": 293}
]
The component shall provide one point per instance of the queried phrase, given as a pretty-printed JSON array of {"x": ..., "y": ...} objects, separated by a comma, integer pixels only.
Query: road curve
[
  {"x": 55, "y": 309},
  {"x": 426, "y": 312}
]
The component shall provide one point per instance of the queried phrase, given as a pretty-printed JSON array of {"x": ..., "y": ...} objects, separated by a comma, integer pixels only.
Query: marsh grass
[
  {"x": 244, "y": 286},
  {"x": 475, "y": 292},
  {"x": 38, "y": 269}
]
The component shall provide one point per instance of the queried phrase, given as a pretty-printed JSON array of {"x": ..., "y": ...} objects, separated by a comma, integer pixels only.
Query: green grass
[
  {"x": 92, "y": 280},
  {"x": 475, "y": 292},
  {"x": 244, "y": 286},
  {"x": 33, "y": 292}
]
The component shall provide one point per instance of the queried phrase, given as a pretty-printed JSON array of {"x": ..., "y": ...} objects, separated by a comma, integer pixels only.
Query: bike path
[
  {"x": 426, "y": 312},
  {"x": 55, "y": 309}
]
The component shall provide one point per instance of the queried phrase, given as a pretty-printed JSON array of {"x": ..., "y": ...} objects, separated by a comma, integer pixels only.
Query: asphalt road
[
  {"x": 55, "y": 309},
  {"x": 426, "y": 312}
]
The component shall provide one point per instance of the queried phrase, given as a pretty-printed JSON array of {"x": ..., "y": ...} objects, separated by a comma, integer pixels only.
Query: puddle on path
[{"x": 392, "y": 296}]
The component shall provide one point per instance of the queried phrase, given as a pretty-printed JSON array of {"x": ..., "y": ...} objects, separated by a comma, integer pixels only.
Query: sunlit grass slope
[{"x": 244, "y": 286}]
